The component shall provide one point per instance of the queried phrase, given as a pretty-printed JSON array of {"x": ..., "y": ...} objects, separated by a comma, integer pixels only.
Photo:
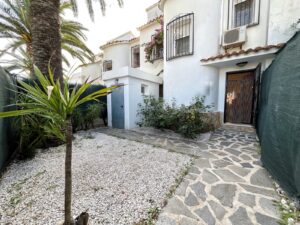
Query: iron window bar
[{"x": 180, "y": 37}]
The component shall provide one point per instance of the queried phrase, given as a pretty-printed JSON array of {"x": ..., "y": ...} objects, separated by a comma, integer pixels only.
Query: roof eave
[{"x": 233, "y": 60}]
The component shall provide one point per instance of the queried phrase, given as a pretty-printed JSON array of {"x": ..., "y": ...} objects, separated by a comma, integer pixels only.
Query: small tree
[{"x": 49, "y": 100}]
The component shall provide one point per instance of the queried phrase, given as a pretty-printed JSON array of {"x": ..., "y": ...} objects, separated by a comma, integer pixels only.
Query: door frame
[
  {"x": 112, "y": 108},
  {"x": 226, "y": 85}
]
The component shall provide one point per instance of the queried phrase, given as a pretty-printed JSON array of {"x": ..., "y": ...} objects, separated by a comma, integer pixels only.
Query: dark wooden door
[{"x": 239, "y": 98}]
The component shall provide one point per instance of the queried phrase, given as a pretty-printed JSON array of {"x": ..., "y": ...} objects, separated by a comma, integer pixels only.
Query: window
[
  {"x": 144, "y": 89},
  {"x": 180, "y": 36},
  {"x": 182, "y": 45},
  {"x": 244, "y": 12},
  {"x": 135, "y": 56},
  {"x": 107, "y": 65}
]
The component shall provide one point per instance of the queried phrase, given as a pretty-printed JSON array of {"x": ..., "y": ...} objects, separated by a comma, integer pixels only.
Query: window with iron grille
[
  {"x": 107, "y": 65},
  {"x": 180, "y": 36}
]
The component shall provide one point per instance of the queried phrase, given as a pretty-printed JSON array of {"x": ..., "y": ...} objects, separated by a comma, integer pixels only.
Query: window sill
[
  {"x": 247, "y": 26},
  {"x": 179, "y": 56}
]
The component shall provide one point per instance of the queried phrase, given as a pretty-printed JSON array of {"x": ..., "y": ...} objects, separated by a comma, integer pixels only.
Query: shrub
[
  {"x": 185, "y": 120},
  {"x": 85, "y": 118}
]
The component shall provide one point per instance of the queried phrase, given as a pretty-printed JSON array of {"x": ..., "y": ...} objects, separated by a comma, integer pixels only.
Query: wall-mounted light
[{"x": 242, "y": 64}]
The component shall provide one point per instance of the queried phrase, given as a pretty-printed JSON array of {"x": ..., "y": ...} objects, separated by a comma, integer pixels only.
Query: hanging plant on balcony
[{"x": 153, "y": 49}]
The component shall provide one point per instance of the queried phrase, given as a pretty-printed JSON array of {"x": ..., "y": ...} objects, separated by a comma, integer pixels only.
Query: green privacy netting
[
  {"x": 6, "y": 95},
  {"x": 279, "y": 117}
]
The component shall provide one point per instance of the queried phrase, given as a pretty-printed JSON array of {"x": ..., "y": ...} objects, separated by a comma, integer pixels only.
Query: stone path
[{"x": 226, "y": 184}]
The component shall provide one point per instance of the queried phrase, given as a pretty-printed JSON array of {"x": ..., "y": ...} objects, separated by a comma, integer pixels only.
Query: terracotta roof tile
[
  {"x": 243, "y": 52},
  {"x": 113, "y": 42}
]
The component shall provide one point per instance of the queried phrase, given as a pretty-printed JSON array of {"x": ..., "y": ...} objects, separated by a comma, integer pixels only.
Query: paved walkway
[{"x": 226, "y": 184}]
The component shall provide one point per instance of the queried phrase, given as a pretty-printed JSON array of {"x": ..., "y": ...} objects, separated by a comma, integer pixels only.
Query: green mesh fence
[
  {"x": 279, "y": 117},
  {"x": 6, "y": 134}
]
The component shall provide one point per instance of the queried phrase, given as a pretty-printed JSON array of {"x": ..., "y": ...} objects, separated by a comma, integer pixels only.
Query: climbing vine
[{"x": 156, "y": 43}]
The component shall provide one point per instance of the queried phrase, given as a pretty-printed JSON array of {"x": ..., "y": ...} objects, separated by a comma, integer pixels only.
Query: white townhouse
[
  {"x": 219, "y": 49},
  {"x": 124, "y": 62}
]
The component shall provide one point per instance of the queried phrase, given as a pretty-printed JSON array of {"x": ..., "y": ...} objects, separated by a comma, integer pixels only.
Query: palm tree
[
  {"x": 46, "y": 42},
  {"x": 15, "y": 25},
  {"x": 46, "y": 46},
  {"x": 46, "y": 99}
]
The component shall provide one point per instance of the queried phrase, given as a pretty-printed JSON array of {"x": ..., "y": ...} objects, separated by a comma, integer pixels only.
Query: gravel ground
[{"x": 116, "y": 180}]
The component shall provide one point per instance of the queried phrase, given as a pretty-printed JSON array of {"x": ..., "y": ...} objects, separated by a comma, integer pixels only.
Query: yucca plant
[{"x": 48, "y": 99}]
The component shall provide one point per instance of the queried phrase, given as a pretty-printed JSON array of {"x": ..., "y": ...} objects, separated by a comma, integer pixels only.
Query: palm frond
[{"x": 15, "y": 26}]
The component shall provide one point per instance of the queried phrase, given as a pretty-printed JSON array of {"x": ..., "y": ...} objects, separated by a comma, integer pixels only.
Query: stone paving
[{"x": 226, "y": 184}]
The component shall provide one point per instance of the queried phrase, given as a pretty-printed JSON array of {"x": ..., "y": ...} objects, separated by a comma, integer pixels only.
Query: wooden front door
[{"x": 239, "y": 97}]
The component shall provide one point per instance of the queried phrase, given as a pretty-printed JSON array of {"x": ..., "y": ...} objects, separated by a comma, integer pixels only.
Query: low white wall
[{"x": 132, "y": 92}]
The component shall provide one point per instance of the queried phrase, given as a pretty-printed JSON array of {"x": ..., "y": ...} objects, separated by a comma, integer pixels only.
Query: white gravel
[{"x": 116, "y": 180}]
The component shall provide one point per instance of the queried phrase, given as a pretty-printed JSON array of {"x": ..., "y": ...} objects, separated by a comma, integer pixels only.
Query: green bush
[
  {"x": 85, "y": 118},
  {"x": 185, "y": 120}
]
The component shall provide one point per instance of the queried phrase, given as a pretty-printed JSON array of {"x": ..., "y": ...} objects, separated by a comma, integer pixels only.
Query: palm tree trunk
[
  {"x": 68, "y": 174},
  {"x": 46, "y": 39}
]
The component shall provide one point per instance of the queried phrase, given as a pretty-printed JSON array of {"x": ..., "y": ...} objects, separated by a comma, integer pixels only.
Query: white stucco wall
[
  {"x": 118, "y": 53},
  {"x": 257, "y": 34},
  {"x": 92, "y": 71},
  {"x": 145, "y": 37},
  {"x": 153, "y": 12},
  {"x": 282, "y": 15},
  {"x": 185, "y": 77},
  {"x": 132, "y": 97}
]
